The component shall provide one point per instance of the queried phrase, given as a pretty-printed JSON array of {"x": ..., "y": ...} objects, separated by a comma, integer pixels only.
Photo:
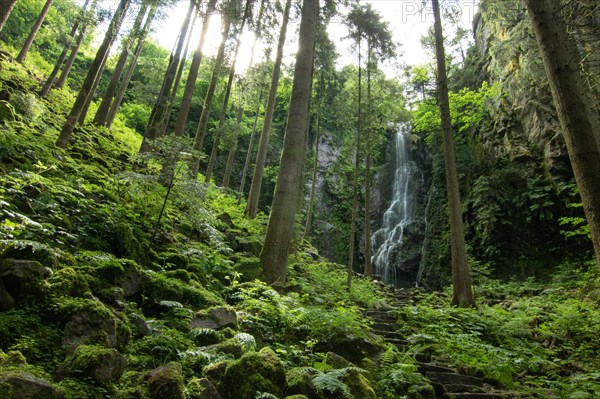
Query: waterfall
[{"x": 390, "y": 241}]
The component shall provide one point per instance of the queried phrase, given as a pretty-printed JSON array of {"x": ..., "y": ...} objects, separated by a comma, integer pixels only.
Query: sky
[{"x": 408, "y": 21}]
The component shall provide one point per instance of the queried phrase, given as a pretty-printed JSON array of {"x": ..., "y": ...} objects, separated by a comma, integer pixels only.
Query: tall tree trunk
[
  {"x": 92, "y": 92},
  {"x": 163, "y": 128},
  {"x": 88, "y": 83},
  {"x": 313, "y": 185},
  {"x": 194, "y": 166},
  {"x": 461, "y": 280},
  {"x": 36, "y": 27},
  {"x": 261, "y": 154},
  {"x": 368, "y": 264},
  {"x": 569, "y": 91},
  {"x": 355, "y": 178},
  {"x": 160, "y": 109},
  {"x": 62, "y": 79},
  {"x": 217, "y": 139},
  {"x": 232, "y": 150},
  {"x": 190, "y": 84},
  {"x": 6, "y": 8},
  {"x": 250, "y": 145},
  {"x": 287, "y": 191},
  {"x": 112, "y": 112},
  {"x": 102, "y": 113},
  {"x": 63, "y": 55}
]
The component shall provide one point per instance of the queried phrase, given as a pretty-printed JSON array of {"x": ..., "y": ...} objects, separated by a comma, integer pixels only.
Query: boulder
[
  {"x": 27, "y": 386},
  {"x": 201, "y": 388},
  {"x": 20, "y": 279},
  {"x": 217, "y": 318},
  {"x": 166, "y": 382},
  {"x": 299, "y": 382},
  {"x": 94, "y": 323},
  {"x": 254, "y": 372},
  {"x": 336, "y": 361},
  {"x": 103, "y": 365}
]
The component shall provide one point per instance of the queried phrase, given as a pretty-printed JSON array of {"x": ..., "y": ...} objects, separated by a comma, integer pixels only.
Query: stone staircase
[{"x": 447, "y": 382}]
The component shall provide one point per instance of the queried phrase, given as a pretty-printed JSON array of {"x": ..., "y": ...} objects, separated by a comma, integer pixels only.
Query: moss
[
  {"x": 179, "y": 274},
  {"x": 175, "y": 261},
  {"x": 103, "y": 365},
  {"x": 158, "y": 287},
  {"x": 68, "y": 282},
  {"x": 296, "y": 397},
  {"x": 6, "y": 390},
  {"x": 425, "y": 391},
  {"x": 124, "y": 243},
  {"x": 359, "y": 386},
  {"x": 254, "y": 372},
  {"x": 249, "y": 268},
  {"x": 166, "y": 382},
  {"x": 31, "y": 250}
]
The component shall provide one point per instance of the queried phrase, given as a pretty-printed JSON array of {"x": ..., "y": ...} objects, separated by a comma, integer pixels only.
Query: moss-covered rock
[
  {"x": 299, "y": 382},
  {"x": 92, "y": 322},
  {"x": 296, "y": 397},
  {"x": 103, "y": 365},
  {"x": 166, "y": 382},
  {"x": 201, "y": 388},
  {"x": 249, "y": 268},
  {"x": 21, "y": 280},
  {"x": 254, "y": 372},
  {"x": 217, "y": 317},
  {"x": 27, "y": 386},
  {"x": 424, "y": 391},
  {"x": 215, "y": 372}
]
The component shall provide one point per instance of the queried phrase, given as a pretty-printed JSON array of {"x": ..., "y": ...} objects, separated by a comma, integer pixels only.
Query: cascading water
[{"x": 390, "y": 245}]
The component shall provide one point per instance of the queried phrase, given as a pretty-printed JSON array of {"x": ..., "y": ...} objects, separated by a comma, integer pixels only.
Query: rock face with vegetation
[{"x": 120, "y": 280}]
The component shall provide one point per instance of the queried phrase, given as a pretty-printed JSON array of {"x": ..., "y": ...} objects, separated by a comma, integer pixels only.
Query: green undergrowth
[{"x": 538, "y": 338}]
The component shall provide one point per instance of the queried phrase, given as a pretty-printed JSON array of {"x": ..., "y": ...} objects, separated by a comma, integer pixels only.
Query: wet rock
[
  {"x": 166, "y": 382},
  {"x": 27, "y": 386}
]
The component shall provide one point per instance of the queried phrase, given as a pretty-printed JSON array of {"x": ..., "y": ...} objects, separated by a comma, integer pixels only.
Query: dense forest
[{"x": 295, "y": 215}]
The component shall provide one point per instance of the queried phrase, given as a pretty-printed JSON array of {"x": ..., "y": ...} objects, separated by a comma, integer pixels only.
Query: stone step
[
  {"x": 453, "y": 378},
  {"x": 398, "y": 342},
  {"x": 461, "y": 388},
  {"x": 474, "y": 395},
  {"x": 389, "y": 334},
  {"x": 383, "y": 326},
  {"x": 435, "y": 368}
]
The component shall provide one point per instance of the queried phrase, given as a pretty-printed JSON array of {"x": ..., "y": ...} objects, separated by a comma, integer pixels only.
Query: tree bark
[
  {"x": 63, "y": 55},
  {"x": 194, "y": 166},
  {"x": 112, "y": 113},
  {"x": 62, "y": 79},
  {"x": 249, "y": 152},
  {"x": 313, "y": 184},
  {"x": 36, "y": 27},
  {"x": 156, "y": 118},
  {"x": 461, "y": 279},
  {"x": 6, "y": 8},
  {"x": 232, "y": 151},
  {"x": 261, "y": 154},
  {"x": 217, "y": 139},
  {"x": 368, "y": 264},
  {"x": 355, "y": 178},
  {"x": 569, "y": 91},
  {"x": 102, "y": 113},
  {"x": 163, "y": 127},
  {"x": 109, "y": 37},
  {"x": 190, "y": 84},
  {"x": 287, "y": 191}
]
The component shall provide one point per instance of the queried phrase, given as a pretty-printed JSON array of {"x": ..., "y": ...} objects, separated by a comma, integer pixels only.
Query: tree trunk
[
  {"x": 36, "y": 27},
  {"x": 249, "y": 152},
  {"x": 261, "y": 154},
  {"x": 232, "y": 150},
  {"x": 6, "y": 8},
  {"x": 102, "y": 113},
  {"x": 287, "y": 191},
  {"x": 569, "y": 91},
  {"x": 368, "y": 264},
  {"x": 156, "y": 119},
  {"x": 355, "y": 178},
  {"x": 202, "y": 125},
  {"x": 112, "y": 113},
  {"x": 92, "y": 92},
  {"x": 217, "y": 139},
  {"x": 461, "y": 279},
  {"x": 88, "y": 83},
  {"x": 163, "y": 128},
  {"x": 190, "y": 84},
  {"x": 62, "y": 79},
  {"x": 63, "y": 55},
  {"x": 313, "y": 185}
]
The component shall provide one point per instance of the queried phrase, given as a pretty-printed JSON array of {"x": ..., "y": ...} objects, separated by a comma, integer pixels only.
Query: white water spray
[{"x": 401, "y": 212}]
